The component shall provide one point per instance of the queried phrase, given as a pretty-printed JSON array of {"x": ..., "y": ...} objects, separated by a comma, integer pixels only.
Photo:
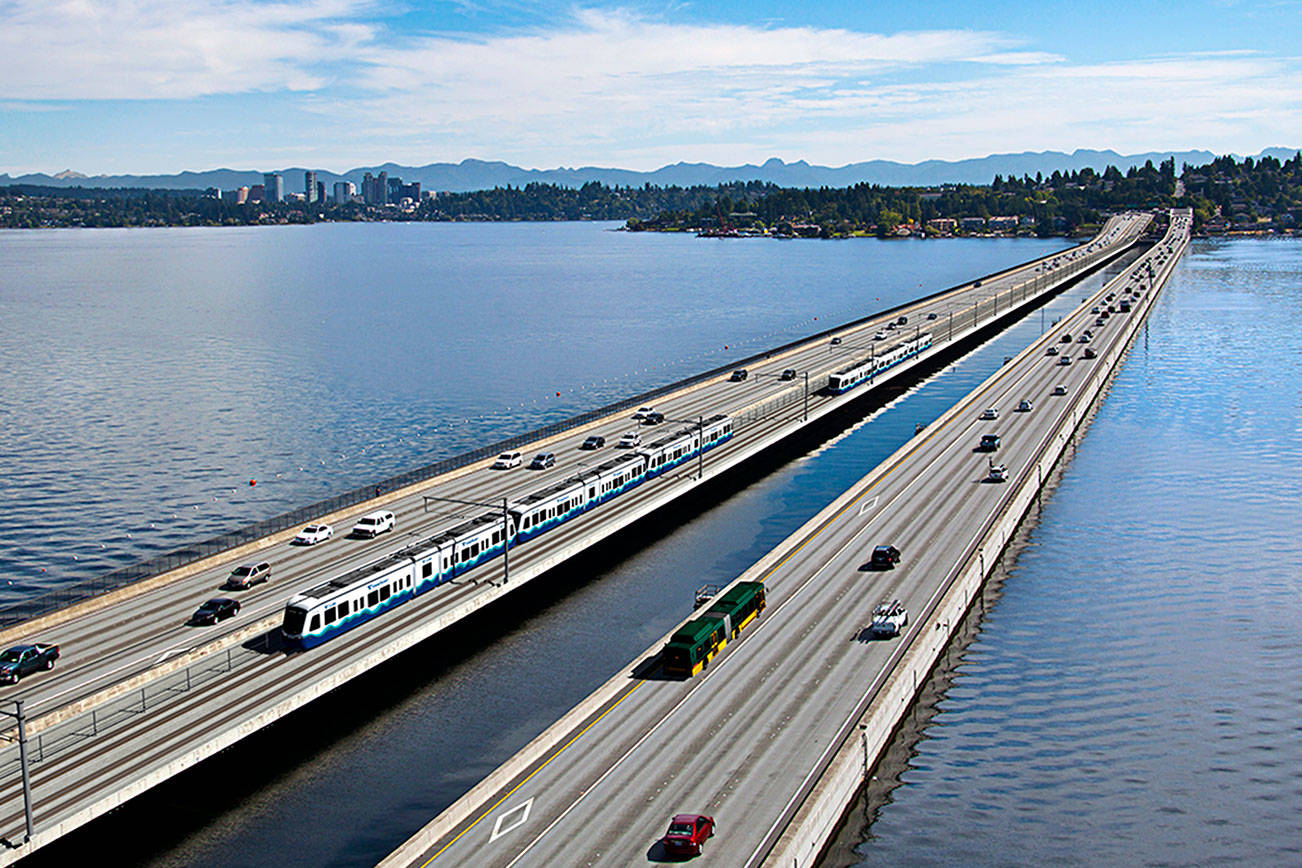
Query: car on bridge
[
  {"x": 313, "y": 534},
  {"x": 629, "y": 440},
  {"x": 653, "y": 418},
  {"x": 884, "y": 557},
  {"x": 246, "y": 576},
  {"x": 542, "y": 461},
  {"x": 1090, "y": 353},
  {"x": 507, "y": 460},
  {"x": 989, "y": 443},
  {"x": 1064, "y": 360},
  {"x": 931, "y": 316},
  {"x": 687, "y": 834},
  {"x": 1060, "y": 390},
  {"x": 990, "y": 413},
  {"x": 23, "y": 660},
  {"x": 373, "y": 524},
  {"x": 596, "y": 441},
  {"x": 215, "y": 610},
  {"x": 889, "y": 619},
  {"x": 997, "y": 473},
  {"x": 1051, "y": 351},
  {"x": 641, "y": 413},
  {"x": 1025, "y": 406},
  {"x": 1066, "y": 337},
  {"x": 788, "y": 374},
  {"x": 836, "y": 342},
  {"x": 739, "y": 375},
  {"x": 880, "y": 336}
]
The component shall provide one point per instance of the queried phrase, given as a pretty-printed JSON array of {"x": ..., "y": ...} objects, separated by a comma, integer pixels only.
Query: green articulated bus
[{"x": 695, "y": 643}]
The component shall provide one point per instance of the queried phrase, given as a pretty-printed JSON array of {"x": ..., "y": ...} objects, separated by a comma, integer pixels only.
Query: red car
[{"x": 688, "y": 833}]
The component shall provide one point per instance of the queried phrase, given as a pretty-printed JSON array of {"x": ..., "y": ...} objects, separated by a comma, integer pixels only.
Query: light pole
[
  {"x": 506, "y": 527},
  {"x": 18, "y": 715}
]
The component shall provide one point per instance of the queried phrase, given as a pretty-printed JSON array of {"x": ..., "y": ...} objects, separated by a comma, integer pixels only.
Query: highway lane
[
  {"x": 103, "y": 648},
  {"x": 740, "y": 741}
]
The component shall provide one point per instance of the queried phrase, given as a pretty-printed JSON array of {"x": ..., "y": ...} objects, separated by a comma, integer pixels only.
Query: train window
[
  {"x": 330, "y": 615},
  {"x": 372, "y": 598},
  {"x": 316, "y": 623},
  {"x": 426, "y": 570},
  {"x": 384, "y": 593}
]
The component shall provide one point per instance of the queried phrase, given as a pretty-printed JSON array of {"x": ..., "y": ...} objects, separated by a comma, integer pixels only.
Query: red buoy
[{"x": 253, "y": 482}]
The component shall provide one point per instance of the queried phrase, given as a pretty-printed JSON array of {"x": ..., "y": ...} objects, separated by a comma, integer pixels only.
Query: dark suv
[{"x": 884, "y": 558}]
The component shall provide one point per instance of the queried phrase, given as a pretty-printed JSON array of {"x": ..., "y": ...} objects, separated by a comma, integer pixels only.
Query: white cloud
[
  {"x": 615, "y": 88},
  {"x": 159, "y": 49}
]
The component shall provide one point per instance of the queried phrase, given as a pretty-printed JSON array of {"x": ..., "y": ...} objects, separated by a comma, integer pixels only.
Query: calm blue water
[
  {"x": 1133, "y": 696},
  {"x": 150, "y": 374}
]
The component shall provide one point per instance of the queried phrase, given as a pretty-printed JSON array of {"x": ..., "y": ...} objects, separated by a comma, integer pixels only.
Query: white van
[{"x": 373, "y": 524}]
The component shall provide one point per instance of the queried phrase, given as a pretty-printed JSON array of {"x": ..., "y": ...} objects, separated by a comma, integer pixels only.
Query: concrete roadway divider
[{"x": 820, "y": 812}]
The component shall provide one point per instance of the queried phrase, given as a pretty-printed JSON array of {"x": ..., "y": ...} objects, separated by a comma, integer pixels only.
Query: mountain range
[{"x": 473, "y": 174}]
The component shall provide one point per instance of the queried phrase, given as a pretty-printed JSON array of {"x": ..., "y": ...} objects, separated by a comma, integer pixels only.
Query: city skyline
[{"x": 132, "y": 87}]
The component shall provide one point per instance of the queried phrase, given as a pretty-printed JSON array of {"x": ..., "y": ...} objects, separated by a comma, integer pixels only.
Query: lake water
[
  {"x": 1129, "y": 695},
  {"x": 149, "y": 375}
]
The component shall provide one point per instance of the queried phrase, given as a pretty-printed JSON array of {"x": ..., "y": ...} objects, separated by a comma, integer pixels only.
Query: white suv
[{"x": 373, "y": 524}]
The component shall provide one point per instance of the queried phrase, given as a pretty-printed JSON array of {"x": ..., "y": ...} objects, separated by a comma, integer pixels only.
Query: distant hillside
[{"x": 469, "y": 175}]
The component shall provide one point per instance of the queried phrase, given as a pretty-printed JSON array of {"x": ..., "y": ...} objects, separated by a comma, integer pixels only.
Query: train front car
[{"x": 337, "y": 606}]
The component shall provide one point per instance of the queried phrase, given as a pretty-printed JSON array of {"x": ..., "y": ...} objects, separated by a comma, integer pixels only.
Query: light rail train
[
  {"x": 865, "y": 369},
  {"x": 353, "y": 598}
]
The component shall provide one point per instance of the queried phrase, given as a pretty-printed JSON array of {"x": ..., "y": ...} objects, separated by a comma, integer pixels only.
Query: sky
[{"x": 161, "y": 86}]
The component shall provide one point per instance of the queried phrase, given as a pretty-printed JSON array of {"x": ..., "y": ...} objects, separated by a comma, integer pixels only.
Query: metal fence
[{"x": 75, "y": 592}]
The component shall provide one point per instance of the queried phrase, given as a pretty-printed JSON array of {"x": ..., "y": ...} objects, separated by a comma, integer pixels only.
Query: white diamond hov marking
[
  {"x": 503, "y": 825},
  {"x": 867, "y": 506}
]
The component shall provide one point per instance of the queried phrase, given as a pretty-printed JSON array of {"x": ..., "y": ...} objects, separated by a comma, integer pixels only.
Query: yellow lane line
[{"x": 562, "y": 750}]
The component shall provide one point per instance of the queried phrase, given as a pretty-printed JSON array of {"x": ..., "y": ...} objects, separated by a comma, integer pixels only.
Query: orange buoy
[{"x": 252, "y": 482}]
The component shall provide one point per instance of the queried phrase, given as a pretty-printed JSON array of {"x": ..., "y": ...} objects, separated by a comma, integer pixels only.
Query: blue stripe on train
[{"x": 311, "y": 640}]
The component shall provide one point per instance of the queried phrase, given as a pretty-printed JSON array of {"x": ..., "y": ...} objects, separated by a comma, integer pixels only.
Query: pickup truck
[{"x": 22, "y": 660}]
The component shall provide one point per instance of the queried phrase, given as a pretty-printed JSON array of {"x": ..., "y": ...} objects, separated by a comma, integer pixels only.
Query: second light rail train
[{"x": 865, "y": 369}]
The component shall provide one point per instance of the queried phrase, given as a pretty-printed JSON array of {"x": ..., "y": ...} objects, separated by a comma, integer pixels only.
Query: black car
[
  {"x": 789, "y": 374},
  {"x": 217, "y": 609},
  {"x": 739, "y": 375},
  {"x": 594, "y": 442},
  {"x": 884, "y": 558},
  {"x": 989, "y": 442},
  {"x": 931, "y": 316},
  {"x": 653, "y": 418},
  {"x": 836, "y": 342}
]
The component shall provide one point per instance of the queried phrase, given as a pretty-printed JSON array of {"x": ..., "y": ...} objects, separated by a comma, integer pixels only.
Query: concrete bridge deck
[
  {"x": 775, "y": 736},
  {"x": 139, "y": 696}
]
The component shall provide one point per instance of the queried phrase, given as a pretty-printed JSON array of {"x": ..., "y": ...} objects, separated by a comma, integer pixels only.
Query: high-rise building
[
  {"x": 309, "y": 187},
  {"x": 273, "y": 186},
  {"x": 258, "y": 193},
  {"x": 241, "y": 195},
  {"x": 344, "y": 191},
  {"x": 320, "y": 192}
]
